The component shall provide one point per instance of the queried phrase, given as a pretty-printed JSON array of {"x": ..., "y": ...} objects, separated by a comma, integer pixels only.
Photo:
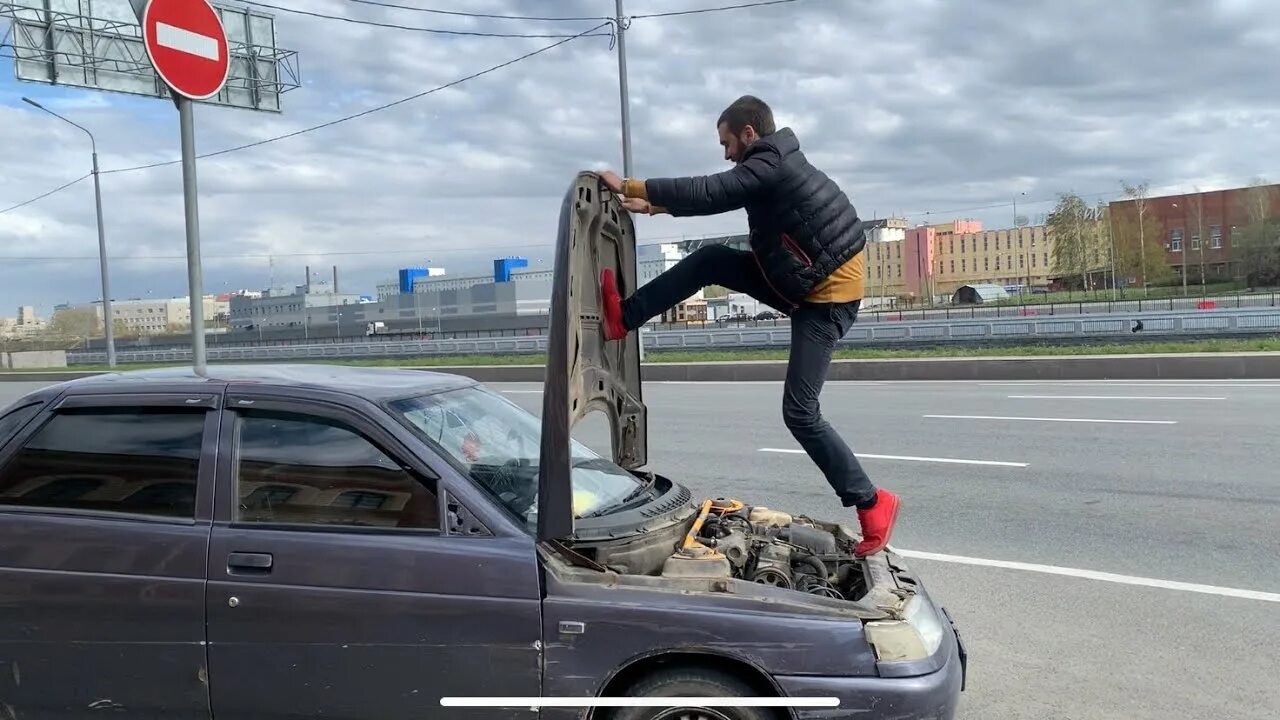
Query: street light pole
[
  {"x": 107, "y": 317},
  {"x": 1018, "y": 230}
]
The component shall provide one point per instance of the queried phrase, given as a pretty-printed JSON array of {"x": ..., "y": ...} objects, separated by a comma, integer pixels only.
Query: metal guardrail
[
  {"x": 1200, "y": 324},
  {"x": 1013, "y": 310}
]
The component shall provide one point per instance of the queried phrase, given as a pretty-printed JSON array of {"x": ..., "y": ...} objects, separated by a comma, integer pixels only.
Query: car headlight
[{"x": 915, "y": 637}]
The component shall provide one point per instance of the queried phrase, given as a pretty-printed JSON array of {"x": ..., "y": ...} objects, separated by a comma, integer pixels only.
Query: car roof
[{"x": 367, "y": 382}]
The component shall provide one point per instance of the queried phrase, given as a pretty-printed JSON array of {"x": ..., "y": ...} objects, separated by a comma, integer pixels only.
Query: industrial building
[
  {"x": 146, "y": 316},
  {"x": 283, "y": 307}
]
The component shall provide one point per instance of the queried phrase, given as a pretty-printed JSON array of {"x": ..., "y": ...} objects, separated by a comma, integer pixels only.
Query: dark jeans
[{"x": 815, "y": 330}]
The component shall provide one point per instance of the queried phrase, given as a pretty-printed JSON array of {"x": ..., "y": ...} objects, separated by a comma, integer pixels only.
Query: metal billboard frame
[{"x": 63, "y": 42}]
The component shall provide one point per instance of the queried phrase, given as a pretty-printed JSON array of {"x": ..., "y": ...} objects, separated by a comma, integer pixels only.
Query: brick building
[{"x": 1206, "y": 227}]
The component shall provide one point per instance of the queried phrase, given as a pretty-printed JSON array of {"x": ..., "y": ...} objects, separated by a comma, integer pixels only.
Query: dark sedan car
[{"x": 311, "y": 541}]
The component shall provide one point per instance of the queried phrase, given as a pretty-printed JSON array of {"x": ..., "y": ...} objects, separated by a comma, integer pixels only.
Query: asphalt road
[
  {"x": 1196, "y": 501},
  {"x": 1185, "y": 490}
]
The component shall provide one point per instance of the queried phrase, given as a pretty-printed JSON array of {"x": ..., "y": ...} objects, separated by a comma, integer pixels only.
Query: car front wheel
[{"x": 692, "y": 682}]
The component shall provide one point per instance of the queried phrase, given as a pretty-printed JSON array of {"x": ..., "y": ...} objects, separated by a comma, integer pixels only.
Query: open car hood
[{"x": 584, "y": 373}]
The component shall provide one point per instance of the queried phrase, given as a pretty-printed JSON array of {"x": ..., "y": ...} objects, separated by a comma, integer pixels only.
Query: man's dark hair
[{"x": 748, "y": 110}]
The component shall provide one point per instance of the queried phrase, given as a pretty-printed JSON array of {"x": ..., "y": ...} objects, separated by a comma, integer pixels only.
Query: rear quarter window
[{"x": 15, "y": 420}]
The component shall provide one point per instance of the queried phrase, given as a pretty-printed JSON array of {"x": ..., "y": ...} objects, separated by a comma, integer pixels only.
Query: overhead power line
[
  {"x": 721, "y": 8},
  {"x": 565, "y": 38},
  {"x": 398, "y": 26},
  {"x": 372, "y": 110},
  {"x": 1008, "y": 203},
  {"x": 267, "y": 256},
  {"x": 330, "y": 123},
  {"x": 488, "y": 16},
  {"x": 58, "y": 189}
]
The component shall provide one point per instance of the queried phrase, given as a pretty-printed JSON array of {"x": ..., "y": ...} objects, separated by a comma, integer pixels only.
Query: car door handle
[{"x": 249, "y": 563}]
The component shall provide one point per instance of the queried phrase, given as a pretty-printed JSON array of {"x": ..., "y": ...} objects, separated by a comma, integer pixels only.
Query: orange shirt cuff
[{"x": 634, "y": 188}]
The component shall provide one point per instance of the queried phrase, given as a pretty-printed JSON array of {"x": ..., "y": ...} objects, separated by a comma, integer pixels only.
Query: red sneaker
[
  {"x": 877, "y": 523},
  {"x": 611, "y": 306}
]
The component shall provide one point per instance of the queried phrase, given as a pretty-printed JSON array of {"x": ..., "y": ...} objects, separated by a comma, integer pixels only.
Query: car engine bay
[{"x": 727, "y": 539}]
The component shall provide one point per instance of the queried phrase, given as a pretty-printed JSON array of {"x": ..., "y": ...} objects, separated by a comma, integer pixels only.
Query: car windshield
[{"x": 497, "y": 443}]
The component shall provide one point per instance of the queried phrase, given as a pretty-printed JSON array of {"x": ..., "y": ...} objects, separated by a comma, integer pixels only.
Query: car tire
[{"x": 692, "y": 682}]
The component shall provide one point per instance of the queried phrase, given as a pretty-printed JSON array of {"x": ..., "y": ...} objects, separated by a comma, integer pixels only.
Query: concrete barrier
[{"x": 33, "y": 359}]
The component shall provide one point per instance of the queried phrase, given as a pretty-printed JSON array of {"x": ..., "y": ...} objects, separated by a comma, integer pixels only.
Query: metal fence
[
  {"x": 983, "y": 312},
  {"x": 1080, "y": 328}
]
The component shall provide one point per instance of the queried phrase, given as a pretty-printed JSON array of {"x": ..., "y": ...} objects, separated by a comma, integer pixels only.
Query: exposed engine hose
[
  {"x": 844, "y": 573},
  {"x": 813, "y": 562}
]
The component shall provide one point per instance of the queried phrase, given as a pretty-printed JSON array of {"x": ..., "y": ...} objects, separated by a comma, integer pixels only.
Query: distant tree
[
  {"x": 1259, "y": 246},
  {"x": 76, "y": 323},
  {"x": 1134, "y": 260},
  {"x": 1064, "y": 227},
  {"x": 1077, "y": 245}
]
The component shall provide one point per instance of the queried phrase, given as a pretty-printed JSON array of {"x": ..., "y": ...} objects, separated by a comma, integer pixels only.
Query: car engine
[{"x": 731, "y": 540}]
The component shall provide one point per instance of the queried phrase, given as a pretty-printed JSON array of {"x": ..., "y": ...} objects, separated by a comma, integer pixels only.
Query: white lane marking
[
  {"x": 910, "y": 458},
  {"x": 183, "y": 40},
  {"x": 1112, "y": 397},
  {"x": 769, "y": 382},
  {"x": 1049, "y": 419},
  {"x": 521, "y": 392},
  {"x": 652, "y": 702},
  {"x": 1140, "y": 383},
  {"x": 1095, "y": 575}
]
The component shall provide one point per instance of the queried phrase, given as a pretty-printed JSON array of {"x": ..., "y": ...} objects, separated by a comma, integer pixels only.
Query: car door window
[
  {"x": 134, "y": 460},
  {"x": 294, "y": 469}
]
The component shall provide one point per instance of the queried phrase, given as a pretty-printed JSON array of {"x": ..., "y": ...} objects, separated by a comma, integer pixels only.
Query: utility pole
[
  {"x": 1014, "y": 231},
  {"x": 624, "y": 95},
  {"x": 1200, "y": 234},
  {"x": 624, "y": 98},
  {"x": 108, "y": 320},
  {"x": 1097, "y": 232},
  {"x": 1111, "y": 231},
  {"x": 1017, "y": 229},
  {"x": 1142, "y": 246},
  {"x": 1184, "y": 251}
]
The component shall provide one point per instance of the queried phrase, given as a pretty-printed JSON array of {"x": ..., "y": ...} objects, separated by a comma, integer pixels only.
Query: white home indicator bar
[{"x": 660, "y": 702}]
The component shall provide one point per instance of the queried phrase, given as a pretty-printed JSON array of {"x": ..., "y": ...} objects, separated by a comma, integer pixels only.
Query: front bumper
[{"x": 933, "y": 696}]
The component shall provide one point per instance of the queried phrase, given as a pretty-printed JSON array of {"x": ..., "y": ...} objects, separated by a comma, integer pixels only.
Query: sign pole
[
  {"x": 188, "y": 48},
  {"x": 195, "y": 280}
]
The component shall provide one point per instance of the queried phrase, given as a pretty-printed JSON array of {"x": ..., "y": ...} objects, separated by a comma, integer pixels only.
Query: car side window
[
  {"x": 295, "y": 469},
  {"x": 131, "y": 460}
]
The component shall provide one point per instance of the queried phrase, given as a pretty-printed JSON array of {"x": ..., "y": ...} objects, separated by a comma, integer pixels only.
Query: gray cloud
[{"x": 917, "y": 105}]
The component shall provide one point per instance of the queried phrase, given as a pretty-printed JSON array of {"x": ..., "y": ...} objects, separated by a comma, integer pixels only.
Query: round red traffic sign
[{"x": 187, "y": 46}]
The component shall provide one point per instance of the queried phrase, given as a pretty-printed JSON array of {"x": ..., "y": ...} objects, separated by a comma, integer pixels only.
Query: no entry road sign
[{"x": 187, "y": 46}]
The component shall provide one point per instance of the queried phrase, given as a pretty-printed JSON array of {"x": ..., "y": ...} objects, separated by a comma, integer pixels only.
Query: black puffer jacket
[{"x": 803, "y": 227}]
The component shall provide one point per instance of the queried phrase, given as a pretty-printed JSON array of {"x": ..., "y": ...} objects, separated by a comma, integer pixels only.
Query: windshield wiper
[
  {"x": 642, "y": 490},
  {"x": 624, "y": 502}
]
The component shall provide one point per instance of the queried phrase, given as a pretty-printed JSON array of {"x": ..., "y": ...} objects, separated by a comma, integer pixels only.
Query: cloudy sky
[{"x": 933, "y": 109}]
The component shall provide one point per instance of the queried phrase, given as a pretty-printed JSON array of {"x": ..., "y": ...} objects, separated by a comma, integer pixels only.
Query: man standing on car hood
[{"x": 806, "y": 261}]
